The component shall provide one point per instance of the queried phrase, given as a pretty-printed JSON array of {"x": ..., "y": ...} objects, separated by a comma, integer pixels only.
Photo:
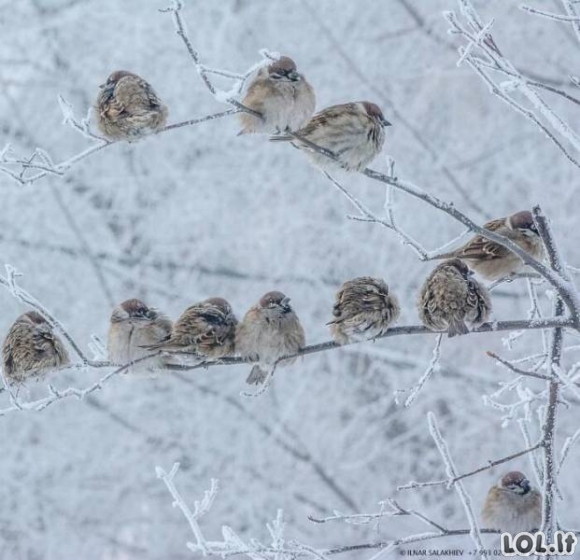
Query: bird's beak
[
  {"x": 525, "y": 486},
  {"x": 385, "y": 122},
  {"x": 294, "y": 76}
]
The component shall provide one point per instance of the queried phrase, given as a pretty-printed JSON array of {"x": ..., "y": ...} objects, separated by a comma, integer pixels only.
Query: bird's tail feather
[
  {"x": 441, "y": 256},
  {"x": 257, "y": 376},
  {"x": 457, "y": 327},
  {"x": 281, "y": 138},
  {"x": 156, "y": 346}
]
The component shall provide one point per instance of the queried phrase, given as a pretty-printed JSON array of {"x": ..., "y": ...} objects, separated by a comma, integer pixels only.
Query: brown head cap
[
  {"x": 459, "y": 265},
  {"x": 516, "y": 481},
  {"x": 117, "y": 75},
  {"x": 220, "y": 303},
  {"x": 36, "y": 318},
  {"x": 523, "y": 220},
  {"x": 273, "y": 298},
  {"x": 135, "y": 308},
  {"x": 284, "y": 65}
]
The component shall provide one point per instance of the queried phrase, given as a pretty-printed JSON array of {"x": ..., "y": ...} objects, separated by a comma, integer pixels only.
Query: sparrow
[
  {"x": 354, "y": 132},
  {"x": 451, "y": 299},
  {"x": 512, "y": 505},
  {"x": 493, "y": 261},
  {"x": 364, "y": 309},
  {"x": 127, "y": 108},
  {"x": 206, "y": 329},
  {"x": 31, "y": 349},
  {"x": 269, "y": 331},
  {"x": 282, "y": 96},
  {"x": 134, "y": 325}
]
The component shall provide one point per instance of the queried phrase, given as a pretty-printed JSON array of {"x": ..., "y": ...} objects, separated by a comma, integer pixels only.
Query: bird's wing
[
  {"x": 476, "y": 299},
  {"x": 481, "y": 248},
  {"x": 8, "y": 360}
]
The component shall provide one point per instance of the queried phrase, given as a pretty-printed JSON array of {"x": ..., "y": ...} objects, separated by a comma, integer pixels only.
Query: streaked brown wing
[
  {"x": 324, "y": 117},
  {"x": 481, "y": 248}
]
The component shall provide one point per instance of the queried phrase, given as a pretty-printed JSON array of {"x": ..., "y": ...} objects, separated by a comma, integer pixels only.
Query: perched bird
[
  {"x": 512, "y": 505},
  {"x": 354, "y": 132},
  {"x": 268, "y": 331},
  {"x": 206, "y": 329},
  {"x": 281, "y": 95},
  {"x": 450, "y": 298},
  {"x": 133, "y": 326},
  {"x": 492, "y": 260},
  {"x": 364, "y": 309},
  {"x": 127, "y": 108},
  {"x": 31, "y": 349}
]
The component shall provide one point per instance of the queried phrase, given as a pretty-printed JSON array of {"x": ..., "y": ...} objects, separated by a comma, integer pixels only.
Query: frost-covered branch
[
  {"x": 367, "y": 216},
  {"x": 482, "y": 55},
  {"x": 549, "y": 515},
  {"x": 60, "y": 394},
  {"x": 403, "y": 330},
  {"x": 9, "y": 282},
  {"x": 17, "y": 167},
  {"x": 200, "y": 507},
  {"x": 516, "y": 369},
  {"x": 450, "y": 481},
  {"x": 571, "y": 16},
  {"x": 451, "y": 471},
  {"x": 233, "y": 545},
  {"x": 566, "y": 448},
  {"x": 432, "y": 368},
  {"x": 561, "y": 283},
  {"x": 219, "y": 95},
  {"x": 365, "y": 518}
]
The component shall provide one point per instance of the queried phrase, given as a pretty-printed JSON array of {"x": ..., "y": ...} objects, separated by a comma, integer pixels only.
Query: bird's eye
[{"x": 276, "y": 76}]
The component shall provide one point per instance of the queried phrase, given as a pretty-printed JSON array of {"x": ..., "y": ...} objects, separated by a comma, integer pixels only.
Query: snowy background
[{"x": 198, "y": 212}]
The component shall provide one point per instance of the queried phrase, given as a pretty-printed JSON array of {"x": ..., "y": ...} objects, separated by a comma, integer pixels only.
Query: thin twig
[
  {"x": 450, "y": 481},
  {"x": 464, "y": 497},
  {"x": 515, "y": 369},
  {"x": 402, "y": 330}
]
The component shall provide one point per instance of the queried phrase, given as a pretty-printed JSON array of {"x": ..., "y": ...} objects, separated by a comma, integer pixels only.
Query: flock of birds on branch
[{"x": 280, "y": 102}]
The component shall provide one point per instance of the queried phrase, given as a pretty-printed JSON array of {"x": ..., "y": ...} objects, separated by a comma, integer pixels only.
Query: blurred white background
[{"x": 198, "y": 212}]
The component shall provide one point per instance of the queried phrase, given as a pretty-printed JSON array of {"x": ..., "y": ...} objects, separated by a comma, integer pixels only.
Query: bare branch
[
  {"x": 61, "y": 168},
  {"x": 58, "y": 395},
  {"x": 369, "y": 217},
  {"x": 365, "y": 518},
  {"x": 201, "y": 508},
  {"x": 465, "y": 498},
  {"x": 180, "y": 29},
  {"x": 517, "y": 370},
  {"x": 563, "y": 285},
  {"x": 432, "y": 368},
  {"x": 450, "y": 481},
  {"x": 480, "y": 39},
  {"x": 549, "y": 516},
  {"x": 403, "y": 330},
  {"x": 9, "y": 282}
]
